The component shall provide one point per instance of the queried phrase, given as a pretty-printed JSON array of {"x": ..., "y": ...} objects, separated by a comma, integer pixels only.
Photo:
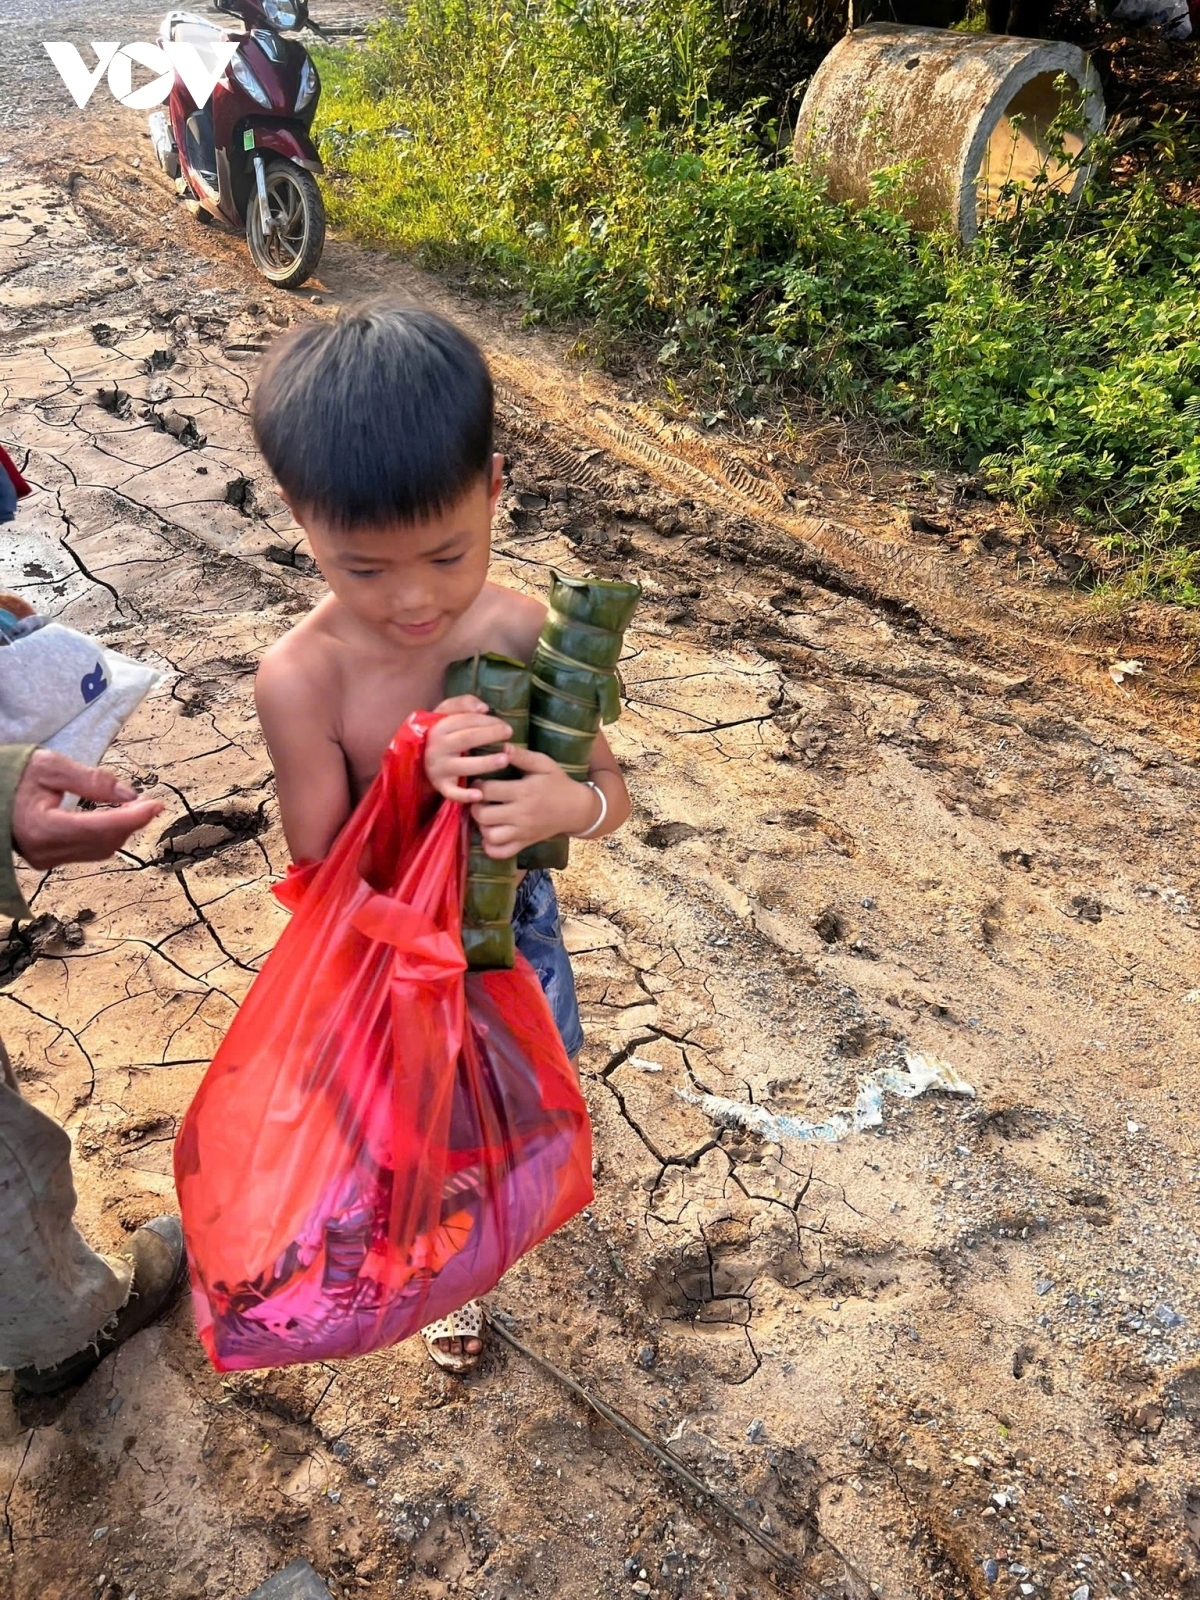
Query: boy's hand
[
  {"x": 521, "y": 811},
  {"x": 467, "y": 723}
]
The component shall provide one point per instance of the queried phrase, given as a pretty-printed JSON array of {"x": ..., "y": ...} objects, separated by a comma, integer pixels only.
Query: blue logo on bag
[{"x": 93, "y": 684}]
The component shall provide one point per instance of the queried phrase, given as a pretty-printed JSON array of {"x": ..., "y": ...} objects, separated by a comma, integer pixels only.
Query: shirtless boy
[{"x": 378, "y": 428}]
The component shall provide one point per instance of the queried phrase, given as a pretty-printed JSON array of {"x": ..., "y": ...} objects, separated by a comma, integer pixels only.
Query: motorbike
[{"x": 246, "y": 159}]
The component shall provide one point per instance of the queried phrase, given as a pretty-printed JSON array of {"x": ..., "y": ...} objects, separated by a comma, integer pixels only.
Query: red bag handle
[{"x": 374, "y": 812}]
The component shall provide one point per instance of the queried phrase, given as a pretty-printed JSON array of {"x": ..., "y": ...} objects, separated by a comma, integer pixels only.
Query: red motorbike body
[{"x": 216, "y": 143}]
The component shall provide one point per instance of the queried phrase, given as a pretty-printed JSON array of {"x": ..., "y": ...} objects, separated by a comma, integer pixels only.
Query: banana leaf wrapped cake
[
  {"x": 575, "y": 686},
  {"x": 504, "y": 687}
]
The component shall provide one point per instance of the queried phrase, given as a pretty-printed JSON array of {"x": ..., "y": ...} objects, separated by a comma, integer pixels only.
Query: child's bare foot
[{"x": 454, "y": 1343}]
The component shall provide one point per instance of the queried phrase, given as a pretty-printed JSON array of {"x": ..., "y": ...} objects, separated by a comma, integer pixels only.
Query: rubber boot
[{"x": 158, "y": 1263}]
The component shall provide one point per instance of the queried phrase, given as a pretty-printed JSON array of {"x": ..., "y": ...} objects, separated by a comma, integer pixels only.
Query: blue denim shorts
[{"x": 538, "y": 932}]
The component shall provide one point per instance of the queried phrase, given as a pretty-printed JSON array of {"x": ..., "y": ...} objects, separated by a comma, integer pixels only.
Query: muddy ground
[{"x": 889, "y": 797}]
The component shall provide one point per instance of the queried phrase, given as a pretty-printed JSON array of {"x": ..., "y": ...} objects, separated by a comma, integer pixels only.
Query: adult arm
[{"x": 13, "y": 761}]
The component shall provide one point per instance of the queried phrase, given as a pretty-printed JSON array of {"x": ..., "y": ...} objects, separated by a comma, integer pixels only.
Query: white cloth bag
[{"x": 64, "y": 691}]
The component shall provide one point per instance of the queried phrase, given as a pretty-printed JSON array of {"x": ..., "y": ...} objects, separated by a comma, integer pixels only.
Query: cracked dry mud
[{"x": 887, "y": 797}]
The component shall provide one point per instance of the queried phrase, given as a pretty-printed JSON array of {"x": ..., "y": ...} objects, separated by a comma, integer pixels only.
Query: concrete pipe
[{"x": 972, "y": 111}]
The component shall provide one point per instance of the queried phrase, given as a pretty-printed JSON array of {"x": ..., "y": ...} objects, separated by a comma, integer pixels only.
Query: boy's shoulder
[
  {"x": 513, "y": 622},
  {"x": 299, "y": 662}
]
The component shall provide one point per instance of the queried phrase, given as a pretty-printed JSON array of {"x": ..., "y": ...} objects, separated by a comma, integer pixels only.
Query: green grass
[{"x": 577, "y": 152}]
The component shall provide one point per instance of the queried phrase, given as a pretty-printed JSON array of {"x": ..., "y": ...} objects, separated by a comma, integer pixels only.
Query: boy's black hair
[{"x": 383, "y": 416}]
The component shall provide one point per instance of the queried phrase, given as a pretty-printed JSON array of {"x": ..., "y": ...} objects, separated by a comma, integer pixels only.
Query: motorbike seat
[{"x": 188, "y": 28}]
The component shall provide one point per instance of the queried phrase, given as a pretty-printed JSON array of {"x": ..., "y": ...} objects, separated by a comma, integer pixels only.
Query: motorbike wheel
[{"x": 289, "y": 252}]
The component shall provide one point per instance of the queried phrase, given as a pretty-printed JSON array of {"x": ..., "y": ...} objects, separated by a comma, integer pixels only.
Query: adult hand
[{"x": 48, "y": 836}]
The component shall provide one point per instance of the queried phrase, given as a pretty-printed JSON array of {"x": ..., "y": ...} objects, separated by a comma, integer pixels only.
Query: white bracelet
[{"x": 599, "y": 822}]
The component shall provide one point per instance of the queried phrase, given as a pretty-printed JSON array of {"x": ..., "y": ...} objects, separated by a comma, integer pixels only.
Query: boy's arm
[
  {"x": 603, "y": 770},
  {"x": 545, "y": 802},
  {"x": 310, "y": 769},
  {"x": 610, "y": 780}
]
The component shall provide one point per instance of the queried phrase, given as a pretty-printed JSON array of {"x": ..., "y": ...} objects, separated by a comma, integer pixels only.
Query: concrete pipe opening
[{"x": 975, "y": 116}]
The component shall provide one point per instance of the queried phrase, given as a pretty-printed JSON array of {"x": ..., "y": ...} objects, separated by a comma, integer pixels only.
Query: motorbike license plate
[{"x": 248, "y": 139}]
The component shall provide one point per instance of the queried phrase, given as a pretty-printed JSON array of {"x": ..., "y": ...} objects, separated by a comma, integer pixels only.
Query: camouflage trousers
[{"x": 56, "y": 1294}]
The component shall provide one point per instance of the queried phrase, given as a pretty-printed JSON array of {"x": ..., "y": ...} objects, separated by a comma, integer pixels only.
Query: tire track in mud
[{"x": 680, "y": 456}]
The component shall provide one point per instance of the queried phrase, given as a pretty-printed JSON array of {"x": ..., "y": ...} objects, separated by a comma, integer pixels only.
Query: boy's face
[{"x": 411, "y": 583}]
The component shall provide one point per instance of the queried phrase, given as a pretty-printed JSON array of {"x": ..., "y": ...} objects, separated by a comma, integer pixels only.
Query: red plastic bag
[{"x": 381, "y": 1134}]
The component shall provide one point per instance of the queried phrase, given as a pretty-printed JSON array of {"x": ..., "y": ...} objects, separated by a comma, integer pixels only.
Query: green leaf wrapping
[
  {"x": 491, "y": 888},
  {"x": 502, "y": 684},
  {"x": 575, "y": 686}
]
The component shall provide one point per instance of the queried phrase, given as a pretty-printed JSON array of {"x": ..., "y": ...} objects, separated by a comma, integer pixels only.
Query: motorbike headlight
[
  {"x": 309, "y": 84},
  {"x": 281, "y": 13},
  {"x": 241, "y": 70}
]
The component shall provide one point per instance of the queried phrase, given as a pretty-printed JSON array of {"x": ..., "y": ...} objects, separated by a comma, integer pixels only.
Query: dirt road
[{"x": 889, "y": 799}]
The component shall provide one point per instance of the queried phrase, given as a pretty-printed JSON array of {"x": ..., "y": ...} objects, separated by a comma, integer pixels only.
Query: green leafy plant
[{"x": 579, "y": 152}]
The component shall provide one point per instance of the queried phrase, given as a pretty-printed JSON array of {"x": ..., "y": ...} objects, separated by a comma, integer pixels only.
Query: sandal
[{"x": 465, "y": 1323}]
